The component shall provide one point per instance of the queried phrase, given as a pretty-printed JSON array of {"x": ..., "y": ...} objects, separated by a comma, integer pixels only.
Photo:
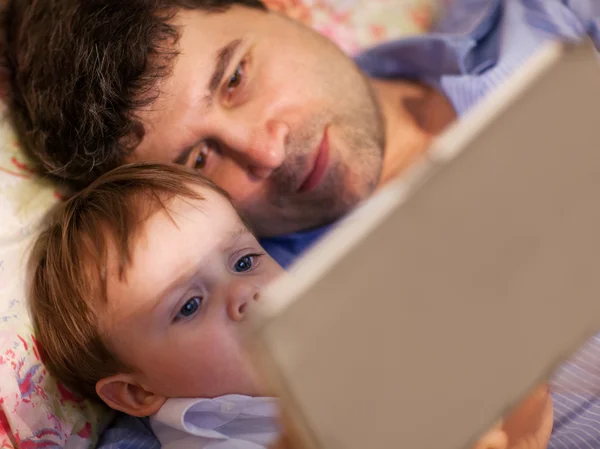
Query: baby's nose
[{"x": 239, "y": 299}]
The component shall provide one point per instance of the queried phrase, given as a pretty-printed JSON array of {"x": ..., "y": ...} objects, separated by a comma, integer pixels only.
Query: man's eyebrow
[
  {"x": 224, "y": 56},
  {"x": 222, "y": 61}
]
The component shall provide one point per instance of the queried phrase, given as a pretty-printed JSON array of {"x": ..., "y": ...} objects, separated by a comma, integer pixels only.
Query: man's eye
[
  {"x": 200, "y": 161},
  {"x": 246, "y": 263},
  {"x": 236, "y": 78},
  {"x": 190, "y": 307},
  {"x": 202, "y": 156}
]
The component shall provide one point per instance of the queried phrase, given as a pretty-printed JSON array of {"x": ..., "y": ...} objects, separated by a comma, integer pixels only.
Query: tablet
[{"x": 435, "y": 306}]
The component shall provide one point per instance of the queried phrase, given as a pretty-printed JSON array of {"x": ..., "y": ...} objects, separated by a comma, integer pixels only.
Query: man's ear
[{"x": 123, "y": 393}]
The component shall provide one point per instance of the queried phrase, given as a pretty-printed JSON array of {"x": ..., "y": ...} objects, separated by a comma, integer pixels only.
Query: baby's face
[{"x": 175, "y": 317}]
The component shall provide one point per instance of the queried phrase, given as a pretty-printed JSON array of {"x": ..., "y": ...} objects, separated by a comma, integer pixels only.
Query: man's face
[
  {"x": 176, "y": 317},
  {"x": 271, "y": 111}
]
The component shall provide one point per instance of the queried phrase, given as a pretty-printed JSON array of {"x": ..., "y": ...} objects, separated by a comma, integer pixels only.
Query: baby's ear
[{"x": 123, "y": 393}]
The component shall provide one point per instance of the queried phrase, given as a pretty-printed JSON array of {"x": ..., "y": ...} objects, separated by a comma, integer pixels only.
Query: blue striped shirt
[{"x": 476, "y": 47}]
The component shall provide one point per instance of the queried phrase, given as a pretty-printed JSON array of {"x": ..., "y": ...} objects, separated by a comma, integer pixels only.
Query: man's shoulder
[
  {"x": 479, "y": 43},
  {"x": 466, "y": 39},
  {"x": 451, "y": 48},
  {"x": 469, "y": 18}
]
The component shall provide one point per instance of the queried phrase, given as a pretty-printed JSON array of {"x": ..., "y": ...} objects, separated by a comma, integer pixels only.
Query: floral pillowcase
[{"x": 356, "y": 24}]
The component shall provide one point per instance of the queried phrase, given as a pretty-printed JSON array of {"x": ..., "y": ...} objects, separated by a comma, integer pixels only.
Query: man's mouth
[{"x": 319, "y": 166}]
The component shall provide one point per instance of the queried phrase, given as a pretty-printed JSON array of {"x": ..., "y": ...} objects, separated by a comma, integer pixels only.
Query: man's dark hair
[{"x": 80, "y": 69}]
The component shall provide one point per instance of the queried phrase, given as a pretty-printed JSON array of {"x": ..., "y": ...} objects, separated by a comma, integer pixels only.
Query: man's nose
[
  {"x": 264, "y": 150},
  {"x": 240, "y": 296}
]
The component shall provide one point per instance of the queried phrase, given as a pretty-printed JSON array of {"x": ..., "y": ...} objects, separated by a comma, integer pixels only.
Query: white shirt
[{"x": 227, "y": 422}]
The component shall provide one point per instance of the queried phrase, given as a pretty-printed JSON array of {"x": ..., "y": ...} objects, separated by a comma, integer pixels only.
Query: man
[{"x": 268, "y": 109}]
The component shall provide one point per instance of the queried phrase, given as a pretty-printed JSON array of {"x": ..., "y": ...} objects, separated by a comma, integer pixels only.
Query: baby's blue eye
[
  {"x": 190, "y": 307},
  {"x": 244, "y": 264}
]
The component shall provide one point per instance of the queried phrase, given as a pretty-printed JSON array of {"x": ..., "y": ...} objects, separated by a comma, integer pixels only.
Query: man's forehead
[
  {"x": 175, "y": 113},
  {"x": 209, "y": 44},
  {"x": 173, "y": 121}
]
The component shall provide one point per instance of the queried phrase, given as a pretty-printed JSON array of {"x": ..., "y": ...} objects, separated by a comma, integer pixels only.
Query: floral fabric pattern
[{"x": 356, "y": 24}]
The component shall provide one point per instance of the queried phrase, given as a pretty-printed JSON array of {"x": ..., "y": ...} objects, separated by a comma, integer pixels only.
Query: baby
[{"x": 140, "y": 285}]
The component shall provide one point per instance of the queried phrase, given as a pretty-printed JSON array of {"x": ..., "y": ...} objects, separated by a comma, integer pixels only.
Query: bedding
[
  {"x": 35, "y": 410},
  {"x": 356, "y": 24}
]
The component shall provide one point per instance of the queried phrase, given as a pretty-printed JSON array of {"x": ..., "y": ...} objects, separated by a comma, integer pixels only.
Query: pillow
[
  {"x": 356, "y": 24},
  {"x": 35, "y": 410}
]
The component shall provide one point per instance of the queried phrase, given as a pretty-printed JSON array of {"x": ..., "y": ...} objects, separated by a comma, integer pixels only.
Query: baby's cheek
[{"x": 172, "y": 365}]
